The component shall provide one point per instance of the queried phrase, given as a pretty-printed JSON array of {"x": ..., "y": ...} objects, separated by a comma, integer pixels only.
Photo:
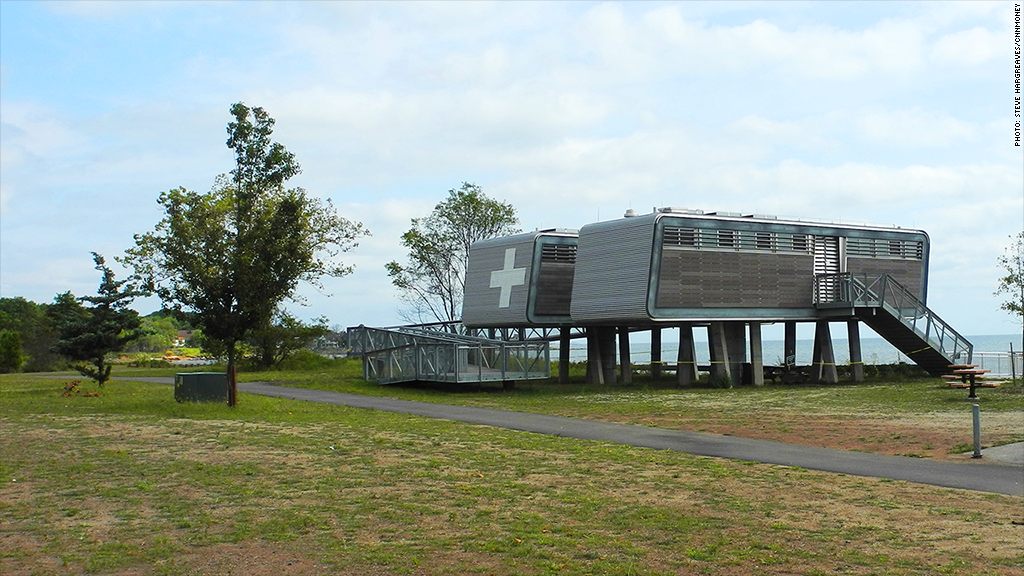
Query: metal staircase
[
  {"x": 897, "y": 315},
  {"x": 446, "y": 353}
]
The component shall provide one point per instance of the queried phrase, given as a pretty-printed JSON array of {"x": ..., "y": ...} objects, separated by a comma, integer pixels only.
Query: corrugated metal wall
[
  {"x": 613, "y": 271},
  {"x": 481, "y": 306}
]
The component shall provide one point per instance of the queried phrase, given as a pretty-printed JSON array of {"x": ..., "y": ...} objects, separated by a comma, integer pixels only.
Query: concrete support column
[
  {"x": 655, "y": 353},
  {"x": 856, "y": 361},
  {"x": 756, "y": 356},
  {"x": 736, "y": 345},
  {"x": 717, "y": 338},
  {"x": 686, "y": 359},
  {"x": 564, "y": 342},
  {"x": 625, "y": 363},
  {"x": 595, "y": 375},
  {"x": 789, "y": 345},
  {"x": 824, "y": 362},
  {"x": 606, "y": 342}
]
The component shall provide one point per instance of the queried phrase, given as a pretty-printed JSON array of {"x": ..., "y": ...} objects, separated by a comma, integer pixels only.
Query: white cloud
[
  {"x": 914, "y": 128},
  {"x": 968, "y": 47}
]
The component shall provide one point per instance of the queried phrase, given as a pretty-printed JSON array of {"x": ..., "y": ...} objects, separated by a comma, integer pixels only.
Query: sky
[{"x": 879, "y": 112}]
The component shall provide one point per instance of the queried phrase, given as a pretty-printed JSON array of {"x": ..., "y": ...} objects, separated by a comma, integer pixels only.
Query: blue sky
[{"x": 881, "y": 112}]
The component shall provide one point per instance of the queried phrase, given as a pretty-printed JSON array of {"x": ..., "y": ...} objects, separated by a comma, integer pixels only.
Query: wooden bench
[{"x": 969, "y": 375}]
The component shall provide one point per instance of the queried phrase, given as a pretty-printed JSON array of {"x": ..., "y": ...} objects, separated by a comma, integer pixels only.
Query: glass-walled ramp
[{"x": 418, "y": 354}]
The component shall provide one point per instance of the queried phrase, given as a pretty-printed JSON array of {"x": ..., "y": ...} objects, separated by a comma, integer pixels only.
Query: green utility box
[{"x": 201, "y": 387}]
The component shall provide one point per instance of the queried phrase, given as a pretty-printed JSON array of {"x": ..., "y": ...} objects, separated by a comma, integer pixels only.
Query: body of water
[{"x": 874, "y": 350}]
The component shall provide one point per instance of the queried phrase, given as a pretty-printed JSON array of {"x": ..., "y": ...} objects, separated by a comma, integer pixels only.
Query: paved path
[{"x": 993, "y": 477}]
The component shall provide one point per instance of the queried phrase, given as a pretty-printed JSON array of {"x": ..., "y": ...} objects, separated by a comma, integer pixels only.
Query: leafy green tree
[
  {"x": 1012, "y": 284},
  {"x": 433, "y": 282},
  {"x": 225, "y": 260},
  {"x": 161, "y": 333},
  {"x": 284, "y": 336},
  {"x": 12, "y": 358},
  {"x": 89, "y": 334},
  {"x": 36, "y": 329}
]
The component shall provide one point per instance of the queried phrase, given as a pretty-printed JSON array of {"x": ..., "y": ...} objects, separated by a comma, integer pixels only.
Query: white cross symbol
[{"x": 508, "y": 277}]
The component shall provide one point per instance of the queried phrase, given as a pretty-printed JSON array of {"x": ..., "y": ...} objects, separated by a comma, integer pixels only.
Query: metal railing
[
  {"x": 406, "y": 354},
  {"x": 456, "y": 328},
  {"x": 1001, "y": 364},
  {"x": 846, "y": 289}
]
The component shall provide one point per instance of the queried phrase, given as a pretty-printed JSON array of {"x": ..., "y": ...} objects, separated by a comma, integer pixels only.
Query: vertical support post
[
  {"x": 789, "y": 346},
  {"x": 656, "y": 353},
  {"x": 824, "y": 362},
  {"x": 686, "y": 358},
  {"x": 756, "y": 355},
  {"x": 595, "y": 375},
  {"x": 856, "y": 361},
  {"x": 736, "y": 345},
  {"x": 564, "y": 340},
  {"x": 720, "y": 366},
  {"x": 625, "y": 362},
  {"x": 976, "y": 410},
  {"x": 607, "y": 344}
]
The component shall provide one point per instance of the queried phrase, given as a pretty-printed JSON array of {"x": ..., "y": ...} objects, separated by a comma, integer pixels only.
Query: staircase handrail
[{"x": 883, "y": 291}]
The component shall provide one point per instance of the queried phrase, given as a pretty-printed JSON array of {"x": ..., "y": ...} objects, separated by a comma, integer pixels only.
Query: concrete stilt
[
  {"x": 625, "y": 362},
  {"x": 824, "y": 361},
  {"x": 736, "y": 346},
  {"x": 756, "y": 359},
  {"x": 789, "y": 346},
  {"x": 720, "y": 365},
  {"x": 595, "y": 375},
  {"x": 656, "y": 353},
  {"x": 564, "y": 341},
  {"x": 607, "y": 344},
  {"x": 686, "y": 359},
  {"x": 856, "y": 361}
]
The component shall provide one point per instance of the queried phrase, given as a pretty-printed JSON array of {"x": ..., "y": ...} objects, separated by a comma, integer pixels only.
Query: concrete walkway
[{"x": 997, "y": 477}]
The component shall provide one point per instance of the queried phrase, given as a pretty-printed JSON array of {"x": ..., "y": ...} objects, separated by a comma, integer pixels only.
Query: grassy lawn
[{"x": 131, "y": 482}]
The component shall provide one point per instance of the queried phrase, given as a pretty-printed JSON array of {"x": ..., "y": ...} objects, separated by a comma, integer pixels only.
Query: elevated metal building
[{"x": 676, "y": 268}]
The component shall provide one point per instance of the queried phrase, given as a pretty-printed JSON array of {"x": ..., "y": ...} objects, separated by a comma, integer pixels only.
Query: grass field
[{"x": 131, "y": 482}]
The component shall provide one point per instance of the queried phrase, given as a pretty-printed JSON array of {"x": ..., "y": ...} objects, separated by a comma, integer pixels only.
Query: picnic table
[{"x": 969, "y": 374}]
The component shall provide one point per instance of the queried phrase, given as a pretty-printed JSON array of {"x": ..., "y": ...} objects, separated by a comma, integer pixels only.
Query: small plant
[
  {"x": 720, "y": 381},
  {"x": 72, "y": 389}
]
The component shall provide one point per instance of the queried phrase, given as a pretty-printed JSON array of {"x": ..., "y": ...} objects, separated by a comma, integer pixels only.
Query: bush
[
  {"x": 149, "y": 363},
  {"x": 307, "y": 360},
  {"x": 719, "y": 381}
]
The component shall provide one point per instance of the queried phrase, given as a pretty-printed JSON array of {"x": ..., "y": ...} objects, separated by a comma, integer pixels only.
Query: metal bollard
[{"x": 977, "y": 430}]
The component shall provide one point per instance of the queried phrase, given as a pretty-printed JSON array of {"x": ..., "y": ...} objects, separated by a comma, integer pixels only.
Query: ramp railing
[
  {"x": 885, "y": 293},
  {"x": 406, "y": 354}
]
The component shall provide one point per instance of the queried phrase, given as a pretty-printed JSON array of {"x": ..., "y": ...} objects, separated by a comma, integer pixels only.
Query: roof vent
[{"x": 630, "y": 213}]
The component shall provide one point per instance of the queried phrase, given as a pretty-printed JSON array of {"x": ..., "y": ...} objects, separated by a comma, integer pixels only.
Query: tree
[
  {"x": 12, "y": 358},
  {"x": 89, "y": 334},
  {"x": 225, "y": 260},
  {"x": 1012, "y": 285},
  {"x": 161, "y": 333},
  {"x": 272, "y": 344},
  {"x": 433, "y": 282},
  {"x": 36, "y": 330}
]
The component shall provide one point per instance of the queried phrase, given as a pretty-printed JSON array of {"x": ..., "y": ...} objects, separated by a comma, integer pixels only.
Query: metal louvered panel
[
  {"x": 885, "y": 248},
  {"x": 562, "y": 253},
  {"x": 826, "y": 255}
]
